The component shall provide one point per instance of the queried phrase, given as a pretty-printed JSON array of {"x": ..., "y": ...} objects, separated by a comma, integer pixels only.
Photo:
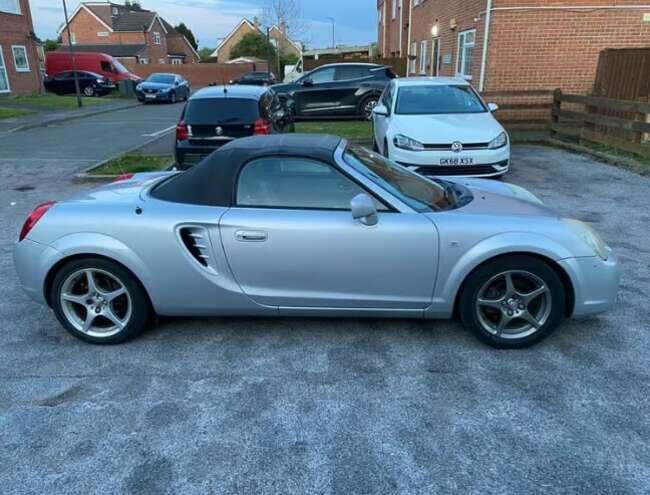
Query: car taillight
[
  {"x": 122, "y": 177},
  {"x": 262, "y": 127},
  {"x": 182, "y": 132},
  {"x": 33, "y": 218}
]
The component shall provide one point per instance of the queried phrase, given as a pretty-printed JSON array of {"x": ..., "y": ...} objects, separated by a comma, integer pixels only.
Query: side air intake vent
[{"x": 197, "y": 243}]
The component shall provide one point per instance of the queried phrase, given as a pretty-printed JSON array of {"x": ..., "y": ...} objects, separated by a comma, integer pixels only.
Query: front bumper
[
  {"x": 142, "y": 96},
  {"x": 486, "y": 163},
  {"x": 595, "y": 283}
]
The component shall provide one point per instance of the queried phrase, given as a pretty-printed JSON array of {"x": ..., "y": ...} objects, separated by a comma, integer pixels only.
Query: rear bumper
[
  {"x": 595, "y": 283},
  {"x": 32, "y": 262},
  {"x": 188, "y": 154}
]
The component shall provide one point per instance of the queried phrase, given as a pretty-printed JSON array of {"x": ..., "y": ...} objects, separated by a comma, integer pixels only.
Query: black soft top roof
[{"x": 212, "y": 182}]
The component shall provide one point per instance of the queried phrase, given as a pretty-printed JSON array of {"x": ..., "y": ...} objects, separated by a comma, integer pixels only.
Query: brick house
[
  {"x": 511, "y": 45},
  {"x": 19, "y": 59},
  {"x": 277, "y": 34},
  {"x": 128, "y": 33}
]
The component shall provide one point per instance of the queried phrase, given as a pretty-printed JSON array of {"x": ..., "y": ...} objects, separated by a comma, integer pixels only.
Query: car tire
[
  {"x": 512, "y": 302},
  {"x": 89, "y": 91},
  {"x": 367, "y": 105},
  {"x": 112, "y": 309},
  {"x": 172, "y": 98}
]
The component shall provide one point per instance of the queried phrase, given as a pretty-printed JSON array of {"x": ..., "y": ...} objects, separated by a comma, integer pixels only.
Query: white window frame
[
  {"x": 115, "y": 11},
  {"x": 13, "y": 53},
  {"x": 393, "y": 12},
  {"x": 413, "y": 58},
  {"x": 423, "y": 57},
  {"x": 156, "y": 38},
  {"x": 144, "y": 61},
  {"x": 161, "y": 61},
  {"x": 73, "y": 38},
  {"x": 463, "y": 65},
  {"x": 3, "y": 67},
  {"x": 16, "y": 9},
  {"x": 102, "y": 34},
  {"x": 177, "y": 61}
]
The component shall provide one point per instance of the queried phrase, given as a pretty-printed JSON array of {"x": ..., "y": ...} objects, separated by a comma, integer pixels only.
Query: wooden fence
[
  {"x": 584, "y": 120},
  {"x": 623, "y": 74}
]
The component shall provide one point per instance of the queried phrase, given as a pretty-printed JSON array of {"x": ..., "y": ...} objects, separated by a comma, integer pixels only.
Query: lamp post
[
  {"x": 333, "y": 21},
  {"x": 74, "y": 59}
]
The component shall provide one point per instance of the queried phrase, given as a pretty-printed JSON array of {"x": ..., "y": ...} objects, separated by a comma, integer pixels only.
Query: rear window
[{"x": 207, "y": 111}]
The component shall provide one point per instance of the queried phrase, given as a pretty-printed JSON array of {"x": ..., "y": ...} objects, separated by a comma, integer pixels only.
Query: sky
[{"x": 211, "y": 20}]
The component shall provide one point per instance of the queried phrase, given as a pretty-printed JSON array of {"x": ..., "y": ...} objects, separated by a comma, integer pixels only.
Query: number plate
[
  {"x": 457, "y": 161},
  {"x": 150, "y": 96}
]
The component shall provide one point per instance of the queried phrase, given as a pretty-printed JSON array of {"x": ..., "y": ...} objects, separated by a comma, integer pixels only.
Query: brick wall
[
  {"x": 85, "y": 27},
  {"x": 15, "y": 30},
  {"x": 155, "y": 52},
  {"x": 197, "y": 74},
  {"x": 391, "y": 47}
]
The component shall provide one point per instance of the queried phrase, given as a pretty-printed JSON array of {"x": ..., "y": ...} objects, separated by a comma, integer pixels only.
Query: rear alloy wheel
[
  {"x": 89, "y": 91},
  {"x": 513, "y": 302},
  {"x": 99, "y": 301},
  {"x": 368, "y": 105}
]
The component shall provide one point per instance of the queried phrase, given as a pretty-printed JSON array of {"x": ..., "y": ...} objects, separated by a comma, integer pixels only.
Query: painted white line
[{"x": 160, "y": 133}]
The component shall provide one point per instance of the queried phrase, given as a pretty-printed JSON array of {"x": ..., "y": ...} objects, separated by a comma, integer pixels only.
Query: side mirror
[
  {"x": 364, "y": 209},
  {"x": 380, "y": 110},
  {"x": 493, "y": 107},
  {"x": 307, "y": 82}
]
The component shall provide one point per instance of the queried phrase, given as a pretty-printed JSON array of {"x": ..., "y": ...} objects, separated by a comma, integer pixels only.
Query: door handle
[{"x": 251, "y": 236}]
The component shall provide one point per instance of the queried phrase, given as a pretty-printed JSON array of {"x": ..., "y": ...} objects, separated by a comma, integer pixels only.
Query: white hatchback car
[{"x": 440, "y": 126}]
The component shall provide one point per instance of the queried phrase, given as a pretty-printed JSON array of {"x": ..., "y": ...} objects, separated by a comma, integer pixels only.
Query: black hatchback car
[
  {"x": 217, "y": 115},
  {"x": 337, "y": 90},
  {"x": 256, "y": 78},
  {"x": 90, "y": 83}
]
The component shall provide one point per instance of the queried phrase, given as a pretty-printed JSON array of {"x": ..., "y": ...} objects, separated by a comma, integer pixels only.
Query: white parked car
[{"x": 440, "y": 126}]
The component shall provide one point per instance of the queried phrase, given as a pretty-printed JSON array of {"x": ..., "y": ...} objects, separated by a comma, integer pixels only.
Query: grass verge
[
  {"x": 11, "y": 113},
  {"x": 353, "y": 130},
  {"x": 50, "y": 101},
  {"x": 134, "y": 163},
  {"x": 643, "y": 161}
]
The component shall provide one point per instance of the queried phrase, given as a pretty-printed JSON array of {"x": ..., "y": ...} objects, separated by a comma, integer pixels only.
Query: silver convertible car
[{"x": 304, "y": 225}]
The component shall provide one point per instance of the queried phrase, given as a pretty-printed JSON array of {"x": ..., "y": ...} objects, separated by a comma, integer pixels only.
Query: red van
[{"x": 99, "y": 63}]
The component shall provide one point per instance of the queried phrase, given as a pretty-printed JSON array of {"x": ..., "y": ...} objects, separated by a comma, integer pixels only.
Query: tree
[
  {"x": 287, "y": 14},
  {"x": 253, "y": 45},
  {"x": 187, "y": 32},
  {"x": 205, "y": 54},
  {"x": 51, "y": 45}
]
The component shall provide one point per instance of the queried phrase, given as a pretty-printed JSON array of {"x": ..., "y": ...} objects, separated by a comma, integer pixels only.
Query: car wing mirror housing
[
  {"x": 307, "y": 82},
  {"x": 363, "y": 209},
  {"x": 380, "y": 110},
  {"x": 493, "y": 107}
]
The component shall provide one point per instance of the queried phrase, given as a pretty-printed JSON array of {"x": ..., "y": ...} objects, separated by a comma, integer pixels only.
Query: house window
[
  {"x": 161, "y": 61},
  {"x": 73, "y": 38},
  {"x": 379, "y": 15},
  {"x": 466, "y": 44},
  {"x": 102, "y": 34},
  {"x": 4, "y": 80},
  {"x": 156, "y": 38},
  {"x": 115, "y": 11},
  {"x": 394, "y": 11},
  {"x": 10, "y": 6},
  {"x": 144, "y": 61},
  {"x": 413, "y": 58},
  {"x": 177, "y": 61},
  {"x": 423, "y": 57},
  {"x": 20, "y": 58}
]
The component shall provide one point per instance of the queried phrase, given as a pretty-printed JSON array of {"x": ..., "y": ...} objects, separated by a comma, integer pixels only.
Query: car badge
[
  {"x": 219, "y": 131},
  {"x": 457, "y": 147}
]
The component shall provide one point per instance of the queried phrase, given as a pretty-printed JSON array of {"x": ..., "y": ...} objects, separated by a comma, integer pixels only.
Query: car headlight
[
  {"x": 589, "y": 237},
  {"x": 406, "y": 143},
  {"x": 166, "y": 90},
  {"x": 138, "y": 87},
  {"x": 498, "y": 142}
]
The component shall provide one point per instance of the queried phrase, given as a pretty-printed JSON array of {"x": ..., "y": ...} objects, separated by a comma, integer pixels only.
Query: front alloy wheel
[
  {"x": 99, "y": 301},
  {"x": 513, "y": 301},
  {"x": 368, "y": 106},
  {"x": 89, "y": 91}
]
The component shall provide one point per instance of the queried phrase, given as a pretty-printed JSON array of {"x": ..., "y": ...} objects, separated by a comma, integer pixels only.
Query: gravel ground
[{"x": 335, "y": 406}]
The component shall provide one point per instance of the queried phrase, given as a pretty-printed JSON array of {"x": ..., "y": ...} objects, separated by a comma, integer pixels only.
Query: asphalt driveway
[{"x": 328, "y": 406}]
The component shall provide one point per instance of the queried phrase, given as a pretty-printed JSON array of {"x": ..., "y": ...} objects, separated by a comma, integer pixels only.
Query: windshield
[
  {"x": 437, "y": 99},
  {"x": 161, "y": 78},
  {"x": 120, "y": 68},
  {"x": 419, "y": 193}
]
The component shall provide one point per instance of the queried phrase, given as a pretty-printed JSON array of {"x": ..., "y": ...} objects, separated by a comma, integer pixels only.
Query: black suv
[
  {"x": 337, "y": 90},
  {"x": 216, "y": 115},
  {"x": 256, "y": 79}
]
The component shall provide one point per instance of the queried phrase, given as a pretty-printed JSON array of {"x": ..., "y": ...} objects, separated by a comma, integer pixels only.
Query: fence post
[{"x": 555, "y": 112}]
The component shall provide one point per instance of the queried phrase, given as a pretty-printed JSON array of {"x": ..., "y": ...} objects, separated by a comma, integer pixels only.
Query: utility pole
[
  {"x": 74, "y": 59},
  {"x": 333, "y": 21},
  {"x": 269, "y": 54}
]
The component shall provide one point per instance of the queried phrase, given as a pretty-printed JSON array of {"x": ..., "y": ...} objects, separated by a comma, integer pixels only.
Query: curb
[
  {"x": 86, "y": 176},
  {"x": 71, "y": 117}
]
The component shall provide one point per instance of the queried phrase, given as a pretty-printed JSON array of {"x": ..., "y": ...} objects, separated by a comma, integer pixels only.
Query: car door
[
  {"x": 314, "y": 96},
  {"x": 291, "y": 242},
  {"x": 349, "y": 78},
  {"x": 382, "y": 122}
]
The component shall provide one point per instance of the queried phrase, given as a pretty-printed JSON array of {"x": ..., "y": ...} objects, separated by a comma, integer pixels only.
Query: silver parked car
[{"x": 303, "y": 225}]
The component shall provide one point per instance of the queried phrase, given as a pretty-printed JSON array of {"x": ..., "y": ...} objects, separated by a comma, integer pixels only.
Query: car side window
[
  {"x": 300, "y": 183},
  {"x": 323, "y": 76},
  {"x": 349, "y": 72},
  {"x": 387, "y": 98}
]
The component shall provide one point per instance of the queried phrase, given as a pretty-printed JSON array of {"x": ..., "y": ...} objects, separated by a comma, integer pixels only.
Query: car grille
[
  {"x": 466, "y": 147},
  {"x": 151, "y": 91}
]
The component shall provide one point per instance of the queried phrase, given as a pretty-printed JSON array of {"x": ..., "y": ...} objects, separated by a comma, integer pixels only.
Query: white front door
[{"x": 4, "y": 79}]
